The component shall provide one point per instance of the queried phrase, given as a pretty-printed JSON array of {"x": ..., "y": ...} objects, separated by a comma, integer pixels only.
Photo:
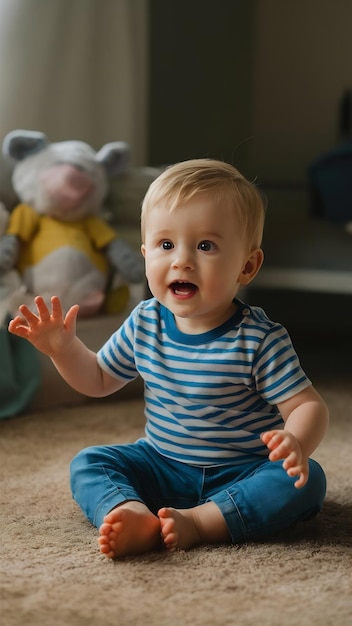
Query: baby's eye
[
  {"x": 167, "y": 245},
  {"x": 206, "y": 246}
]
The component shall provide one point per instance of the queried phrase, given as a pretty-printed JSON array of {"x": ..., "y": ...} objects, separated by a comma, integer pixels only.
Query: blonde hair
[{"x": 181, "y": 182}]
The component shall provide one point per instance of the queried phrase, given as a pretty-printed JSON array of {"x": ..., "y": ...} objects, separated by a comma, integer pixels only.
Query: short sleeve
[
  {"x": 116, "y": 356},
  {"x": 277, "y": 371}
]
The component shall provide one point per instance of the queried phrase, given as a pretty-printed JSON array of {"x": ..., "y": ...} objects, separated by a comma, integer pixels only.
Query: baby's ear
[{"x": 251, "y": 267}]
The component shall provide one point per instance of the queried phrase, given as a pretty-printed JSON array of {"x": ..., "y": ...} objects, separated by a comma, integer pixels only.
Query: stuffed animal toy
[
  {"x": 20, "y": 372},
  {"x": 55, "y": 236},
  {"x": 12, "y": 291}
]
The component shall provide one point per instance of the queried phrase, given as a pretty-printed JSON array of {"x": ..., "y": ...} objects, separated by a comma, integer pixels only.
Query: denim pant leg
[
  {"x": 267, "y": 501},
  {"x": 103, "y": 477},
  {"x": 99, "y": 477}
]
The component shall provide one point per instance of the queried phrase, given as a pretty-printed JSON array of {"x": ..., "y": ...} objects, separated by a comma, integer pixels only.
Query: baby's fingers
[
  {"x": 277, "y": 443},
  {"x": 280, "y": 452},
  {"x": 291, "y": 460},
  {"x": 71, "y": 317},
  {"x": 272, "y": 438},
  {"x": 18, "y": 327},
  {"x": 56, "y": 308},
  {"x": 43, "y": 311},
  {"x": 27, "y": 315},
  {"x": 301, "y": 473}
]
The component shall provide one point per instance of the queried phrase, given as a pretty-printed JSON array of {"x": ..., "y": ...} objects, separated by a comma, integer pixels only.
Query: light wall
[{"x": 75, "y": 69}]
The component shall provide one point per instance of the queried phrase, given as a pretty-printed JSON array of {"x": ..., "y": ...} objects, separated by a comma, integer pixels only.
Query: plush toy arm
[
  {"x": 125, "y": 260},
  {"x": 9, "y": 248}
]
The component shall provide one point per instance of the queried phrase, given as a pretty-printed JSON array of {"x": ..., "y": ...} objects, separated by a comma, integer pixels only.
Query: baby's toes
[
  {"x": 167, "y": 526},
  {"x": 112, "y": 537},
  {"x": 106, "y": 549},
  {"x": 103, "y": 540},
  {"x": 168, "y": 534},
  {"x": 170, "y": 541},
  {"x": 105, "y": 529}
]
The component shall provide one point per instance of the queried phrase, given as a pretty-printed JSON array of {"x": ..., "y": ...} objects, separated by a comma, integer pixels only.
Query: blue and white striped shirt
[{"x": 208, "y": 396}]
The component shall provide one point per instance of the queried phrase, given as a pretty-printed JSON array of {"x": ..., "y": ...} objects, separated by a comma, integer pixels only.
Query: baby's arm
[
  {"x": 55, "y": 336},
  {"x": 306, "y": 418}
]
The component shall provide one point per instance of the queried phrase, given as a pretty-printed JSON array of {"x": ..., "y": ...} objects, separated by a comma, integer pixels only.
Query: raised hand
[
  {"x": 284, "y": 446},
  {"x": 48, "y": 330}
]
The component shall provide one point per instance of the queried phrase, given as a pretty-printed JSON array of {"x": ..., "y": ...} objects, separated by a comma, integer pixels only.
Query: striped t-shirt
[{"x": 207, "y": 396}]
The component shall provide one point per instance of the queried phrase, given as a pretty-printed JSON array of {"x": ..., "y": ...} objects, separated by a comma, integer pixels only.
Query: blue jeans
[{"x": 256, "y": 499}]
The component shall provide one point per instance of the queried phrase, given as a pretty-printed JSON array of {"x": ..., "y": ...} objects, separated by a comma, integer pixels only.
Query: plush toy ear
[
  {"x": 19, "y": 144},
  {"x": 114, "y": 157}
]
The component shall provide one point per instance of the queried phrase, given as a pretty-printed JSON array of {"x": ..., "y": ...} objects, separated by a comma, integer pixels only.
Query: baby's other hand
[
  {"x": 48, "y": 331},
  {"x": 284, "y": 446}
]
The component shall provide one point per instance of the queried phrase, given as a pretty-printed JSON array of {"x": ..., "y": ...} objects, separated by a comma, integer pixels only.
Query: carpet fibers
[{"x": 53, "y": 574}]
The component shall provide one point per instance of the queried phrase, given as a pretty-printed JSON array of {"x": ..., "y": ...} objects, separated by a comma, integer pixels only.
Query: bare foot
[
  {"x": 184, "y": 528},
  {"x": 129, "y": 529},
  {"x": 178, "y": 528}
]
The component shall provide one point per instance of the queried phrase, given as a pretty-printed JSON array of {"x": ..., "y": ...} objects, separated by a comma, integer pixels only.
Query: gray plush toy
[{"x": 55, "y": 237}]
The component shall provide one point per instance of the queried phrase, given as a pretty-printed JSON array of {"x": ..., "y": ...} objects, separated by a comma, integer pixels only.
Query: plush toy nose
[{"x": 65, "y": 185}]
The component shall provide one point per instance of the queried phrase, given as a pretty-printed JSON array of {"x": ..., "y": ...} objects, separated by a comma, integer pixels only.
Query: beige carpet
[{"x": 52, "y": 572}]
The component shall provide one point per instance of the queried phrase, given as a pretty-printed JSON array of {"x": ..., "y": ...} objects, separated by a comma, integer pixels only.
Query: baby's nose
[{"x": 183, "y": 259}]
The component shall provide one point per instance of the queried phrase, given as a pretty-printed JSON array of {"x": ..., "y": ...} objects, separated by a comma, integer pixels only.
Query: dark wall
[{"x": 201, "y": 55}]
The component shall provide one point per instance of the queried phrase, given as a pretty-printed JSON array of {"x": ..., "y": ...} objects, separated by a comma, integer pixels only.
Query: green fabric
[{"x": 20, "y": 374}]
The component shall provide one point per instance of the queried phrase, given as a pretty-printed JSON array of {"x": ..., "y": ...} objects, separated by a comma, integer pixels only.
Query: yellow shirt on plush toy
[{"x": 43, "y": 235}]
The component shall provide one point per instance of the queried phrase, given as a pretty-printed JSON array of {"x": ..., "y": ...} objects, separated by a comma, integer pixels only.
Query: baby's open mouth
[{"x": 183, "y": 288}]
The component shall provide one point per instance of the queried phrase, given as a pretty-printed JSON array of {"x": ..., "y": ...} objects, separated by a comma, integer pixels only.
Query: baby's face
[{"x": 195, "y": 256}]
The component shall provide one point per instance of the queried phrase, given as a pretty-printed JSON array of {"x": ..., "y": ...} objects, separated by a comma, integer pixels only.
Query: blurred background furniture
[{"x": 308, "y": 243}]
